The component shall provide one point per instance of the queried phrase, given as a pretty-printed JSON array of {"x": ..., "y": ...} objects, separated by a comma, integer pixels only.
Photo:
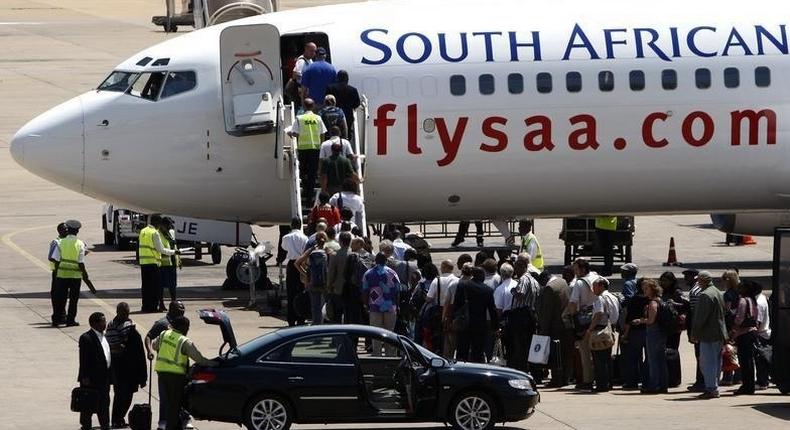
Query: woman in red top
[{"x": 324, "y": 210}]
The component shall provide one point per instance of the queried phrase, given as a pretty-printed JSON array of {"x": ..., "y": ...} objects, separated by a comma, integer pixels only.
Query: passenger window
[
  {"x": 637, "y": 80},
  {"x": 486, "y": 83},
  {"x": 762, "y": 77},
  {"x": 428, "y": 86},
  {"x": 147, "y": 86},
  {"x": 669, "y": 79},
  {"x": 319, "y": 349},
  {"x": 606, "y": 81},
  {"x": 703, "y": 79},
  {"x": 732, "y": 77},
  {"x": 543, "y": 82},
  {"x": 573, "y": 82},
  {"x": 457, "y": 85},
  {"x": 178, "y": 82},
  {"x": 515, "y": 83}
]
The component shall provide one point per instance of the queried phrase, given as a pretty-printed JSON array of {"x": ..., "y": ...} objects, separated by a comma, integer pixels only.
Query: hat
[
  {"x": 690, "y": 272},
  {"x": 321, "y": 51},
  {"x": 704, "y": 275},
  {"x": 629, "y": 267},
  {"x": 73, "y": 224}
]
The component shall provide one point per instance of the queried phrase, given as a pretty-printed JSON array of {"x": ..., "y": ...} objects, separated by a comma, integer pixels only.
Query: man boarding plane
[{"x": 572, "y": 107}]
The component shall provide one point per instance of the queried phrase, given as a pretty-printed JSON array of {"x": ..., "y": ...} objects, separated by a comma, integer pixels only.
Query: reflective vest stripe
[
  {"x": 170, "y": 358},
  {"x": 309, "y": 131},
  {"x": 146, "y": 251},
  {"x": 536, "y": 261},
  {"x": 166, "y": 261},
  {"x": 69, "y": 267}
]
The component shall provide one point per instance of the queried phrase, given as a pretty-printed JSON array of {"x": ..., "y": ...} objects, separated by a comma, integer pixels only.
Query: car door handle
[
  {"x": 295, "y": 379},
  {"x": 104, "y": 123}
]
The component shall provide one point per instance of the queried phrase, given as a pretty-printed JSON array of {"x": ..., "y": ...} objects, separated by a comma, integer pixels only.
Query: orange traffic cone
[
  {"x": 672, "y": 258},
  {"x": 748, "y": 240}
]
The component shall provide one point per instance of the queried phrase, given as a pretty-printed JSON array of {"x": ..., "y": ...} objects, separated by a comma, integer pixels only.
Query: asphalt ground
[{"x": 56, "y": 49}]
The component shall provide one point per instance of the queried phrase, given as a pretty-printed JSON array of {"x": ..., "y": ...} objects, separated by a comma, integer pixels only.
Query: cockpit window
[
  {"x": 178, "y": 82},
  {"x": 118, "y": 81},
  {"x": 148, "y": 85}
]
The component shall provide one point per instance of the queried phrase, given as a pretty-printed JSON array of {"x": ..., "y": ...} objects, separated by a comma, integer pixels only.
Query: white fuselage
[{"x": 598, "y": 150}]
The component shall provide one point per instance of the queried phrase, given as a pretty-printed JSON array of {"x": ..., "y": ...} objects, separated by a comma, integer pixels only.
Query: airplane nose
[{"x": 52, "y": 144}]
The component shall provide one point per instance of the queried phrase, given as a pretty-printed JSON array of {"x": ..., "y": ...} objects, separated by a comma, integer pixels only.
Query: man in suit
[
  {"x": 336, "y": 278},
  {"x": 552, "y": 302},
  {"x": 95, "y": 370},
  {"x": 483, "y": 317}
]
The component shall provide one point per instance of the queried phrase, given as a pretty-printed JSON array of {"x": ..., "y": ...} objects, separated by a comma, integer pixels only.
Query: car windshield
[{"x": 118, "y": 81}]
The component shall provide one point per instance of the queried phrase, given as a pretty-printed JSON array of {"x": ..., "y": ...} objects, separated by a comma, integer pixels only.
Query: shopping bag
[
  {"x": 498, "y": 359},
  {"x": 539, "y": 349}
]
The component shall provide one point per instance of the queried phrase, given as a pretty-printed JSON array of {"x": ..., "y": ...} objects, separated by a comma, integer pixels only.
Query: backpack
[
  {"x": 667, "y": 317},
  {"x": 317, "y": 269},
  {"x": 333, "y": 116}
]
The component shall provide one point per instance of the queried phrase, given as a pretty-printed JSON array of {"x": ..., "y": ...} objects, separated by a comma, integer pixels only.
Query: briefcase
[
  {"x": 140, "y": 417},
  {"x": 84, "y": 399}
]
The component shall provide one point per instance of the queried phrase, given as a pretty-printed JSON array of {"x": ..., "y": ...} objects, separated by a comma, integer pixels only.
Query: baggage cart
[{"x": 581, "y": 239}]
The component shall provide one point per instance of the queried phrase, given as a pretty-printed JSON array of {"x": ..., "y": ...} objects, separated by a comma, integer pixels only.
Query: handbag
[
  {"x": 583, "y": 319},
  {"x": 84, "y": 399},
  {"x": 729, "y": 359},
  {"x": 539, "y": 349},
  {"x": 602, "y": 339},
  {"x": 498, "y": 358}
]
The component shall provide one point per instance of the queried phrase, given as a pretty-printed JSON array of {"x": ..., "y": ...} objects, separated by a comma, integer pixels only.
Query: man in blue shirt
[
  {"x": 317, "y": 76},
  {"x": 628, "y": 272}
]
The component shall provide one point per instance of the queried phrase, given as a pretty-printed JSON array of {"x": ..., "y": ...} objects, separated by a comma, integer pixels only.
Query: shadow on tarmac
[{"x": 776, "y": 410}]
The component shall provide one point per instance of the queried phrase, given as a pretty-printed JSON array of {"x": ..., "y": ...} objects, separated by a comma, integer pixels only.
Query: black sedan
[{"x": 350, "y": 373}]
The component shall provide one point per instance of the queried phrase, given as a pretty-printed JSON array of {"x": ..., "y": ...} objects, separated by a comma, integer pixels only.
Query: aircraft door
[{"x": 251, "y": 79}]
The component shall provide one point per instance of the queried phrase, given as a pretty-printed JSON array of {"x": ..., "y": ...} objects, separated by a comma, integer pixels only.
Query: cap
[
  {"x": 629, "y": 267},
  {"x": 73, "y": 224},
  {"x": 321, "y": 51},
  {"x": 690, "y": 272}
]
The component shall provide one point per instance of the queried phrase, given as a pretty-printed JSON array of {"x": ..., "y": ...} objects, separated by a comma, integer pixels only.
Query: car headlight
[{"x": 520, "y": 384}]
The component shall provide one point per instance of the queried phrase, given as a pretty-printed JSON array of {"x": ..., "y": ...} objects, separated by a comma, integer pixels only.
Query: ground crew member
[
  {"x": 172, "y": 362},
  {"x": 168, "y": 263},
  {"x": 530, "y": 244},
  {"x": 308, "y": 129},
  {"x": 605, "y": 226},
  {"x": 52, "y": 247},
  {"x": 69, "y": 267},
  {"x": 150, "y": 251}
]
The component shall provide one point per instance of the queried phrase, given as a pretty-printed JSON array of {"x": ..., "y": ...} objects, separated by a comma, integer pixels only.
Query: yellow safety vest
[
  {"x": 147, "y": 253},
  {"x": 51, "y": 264},
  {"x": 167, "y": 261},
  {"x": 170, "y": 359},
  {"x": 309, "y": 131},
  {"x": 606, "y": 223},
  {"x": 537, "y": 261},
  {"x": 69, "y": 267}
]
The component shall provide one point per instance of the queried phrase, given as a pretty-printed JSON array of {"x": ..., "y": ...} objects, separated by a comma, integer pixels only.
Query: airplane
[{"x": 474, "y": 110}]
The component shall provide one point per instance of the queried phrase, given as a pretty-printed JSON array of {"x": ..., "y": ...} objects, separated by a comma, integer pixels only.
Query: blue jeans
[
  {"x": 634, "y": 365},
  {"x": 710, "y": 364},
  {"x": 316, "y": 305},
  {"x": 656, "y": 341}
]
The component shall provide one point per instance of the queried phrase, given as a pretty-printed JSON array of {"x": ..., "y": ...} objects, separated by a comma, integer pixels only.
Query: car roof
[{"x": 301, "y": 331}]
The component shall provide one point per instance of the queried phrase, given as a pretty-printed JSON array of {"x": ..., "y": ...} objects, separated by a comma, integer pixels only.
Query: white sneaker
[{"x": 188, "y": 424}]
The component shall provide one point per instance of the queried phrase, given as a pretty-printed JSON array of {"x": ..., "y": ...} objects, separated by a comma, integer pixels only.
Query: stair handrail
[{"x": 360, "y": 151}]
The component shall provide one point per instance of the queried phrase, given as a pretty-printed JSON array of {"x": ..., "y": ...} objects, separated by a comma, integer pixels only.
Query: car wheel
[
  {"x": 473, "y": 411},
  {"x": 268, "y": 412}
]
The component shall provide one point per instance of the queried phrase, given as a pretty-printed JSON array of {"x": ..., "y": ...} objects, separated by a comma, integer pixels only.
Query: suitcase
[
  {"x": 673, "y": 368},
  {"x": 84, "y": 399},
  {"x": 140, "y": 416}
]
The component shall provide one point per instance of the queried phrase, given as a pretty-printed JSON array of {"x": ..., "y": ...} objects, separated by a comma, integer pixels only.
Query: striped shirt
[
  {"x": 526, "y": 293},
  {"x": 117, "y": 335}
]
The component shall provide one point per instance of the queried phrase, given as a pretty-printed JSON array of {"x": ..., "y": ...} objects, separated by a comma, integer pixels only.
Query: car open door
[{"x": 423, "y": 386}]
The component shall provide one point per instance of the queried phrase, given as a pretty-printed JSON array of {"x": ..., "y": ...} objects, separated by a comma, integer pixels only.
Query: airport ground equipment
[
  {"x": 203, "y": 13},
  {"x": 780, "y": 311},
  {"x": 581, "y": 240}
]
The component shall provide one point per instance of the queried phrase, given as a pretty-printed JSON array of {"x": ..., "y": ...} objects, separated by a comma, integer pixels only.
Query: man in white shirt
[
  {"x": 348, "y": 198},
  {"x": 294, "y": 244},
  {"x": 334, "y": 137},
  {"x": 303, "y": 61},
  {"x": 443, "y": 287},
  {"x": 582, "y": 298},
  {"x": 763, "y": 337},
  {"x": 606, "y": 310},
  {"x": 492, "y": 278},
  {"x": 400, "y": 247},
  {"x": 503, "y": 296}
]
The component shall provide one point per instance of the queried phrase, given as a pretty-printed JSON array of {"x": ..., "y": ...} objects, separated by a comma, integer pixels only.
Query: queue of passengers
[{"x": 483, "y": 310}]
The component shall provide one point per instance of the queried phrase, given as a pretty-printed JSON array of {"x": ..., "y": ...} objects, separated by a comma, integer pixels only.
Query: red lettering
[
  {"x": 588, "y": 132},
  {"x": 498, "y": 135},
  {"x": 647, "y": 130},
  {"x": 543, "y": 134},
  {"x": 707, "y": 129},
  {"x": 412, "y": 138},
  {"x": 754, "y": 118},
  {"x": 450, "y": 144},
  {"x": 382, "y": 123}
]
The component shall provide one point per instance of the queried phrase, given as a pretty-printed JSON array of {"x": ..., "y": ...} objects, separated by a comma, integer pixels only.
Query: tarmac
[{"x": 56, "y": 49}]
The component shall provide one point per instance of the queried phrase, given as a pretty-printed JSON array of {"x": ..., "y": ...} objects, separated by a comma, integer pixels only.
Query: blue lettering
[
  {"x": 443, "y": 49},
  {"x": 692, "y": 43},
  {"x": 426, "y": 48},
  {"x": 489, "y": 44},
  {"x": 535, "y": 45},
  {"x": 640, "y": 50},
  {"x": 610, "y": 42},
  {"x": 386, "y": 52},
  {"x": 781, "y": 46},
  {"x": 737, "y": 42},
  {"x": 673, "y": 32},
  {"x": 585, "y": 43}
]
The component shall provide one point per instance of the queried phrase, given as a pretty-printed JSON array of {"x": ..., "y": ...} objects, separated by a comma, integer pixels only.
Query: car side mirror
[{"x": 437, "y": 363}]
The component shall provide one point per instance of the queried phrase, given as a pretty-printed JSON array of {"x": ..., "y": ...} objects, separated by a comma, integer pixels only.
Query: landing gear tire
[
  {"x": 231, "y": 273},
  {"x": 268, "y": 412},
  {"x": 473, "y": 410},
  {"x": 216, "y": 253}
]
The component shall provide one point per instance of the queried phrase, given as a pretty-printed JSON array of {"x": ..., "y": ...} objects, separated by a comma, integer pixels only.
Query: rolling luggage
[
  {"x": 140, "y": 415},
  {"x": 673, "y": 368}
]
